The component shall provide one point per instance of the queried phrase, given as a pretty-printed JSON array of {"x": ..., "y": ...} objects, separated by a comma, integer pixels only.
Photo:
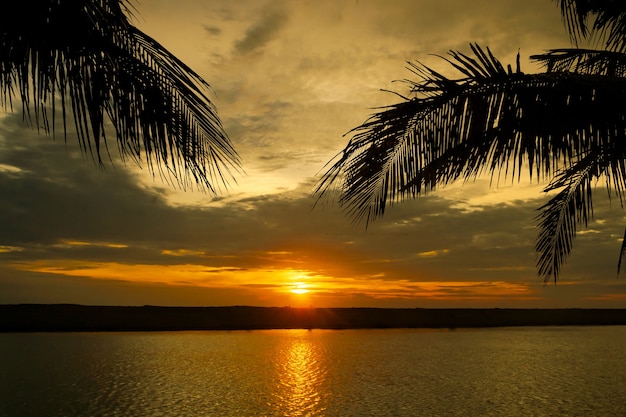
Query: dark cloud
[
  {"x": 261, "y": 33},
  {"x": 212, "y": 30}
]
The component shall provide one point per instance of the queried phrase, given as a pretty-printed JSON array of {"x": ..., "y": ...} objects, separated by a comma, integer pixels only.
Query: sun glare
[{"x": 299, "y": 288}]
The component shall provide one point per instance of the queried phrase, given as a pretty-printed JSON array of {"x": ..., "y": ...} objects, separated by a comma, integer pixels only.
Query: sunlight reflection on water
[
  {"x": 299, "y": 376},
  {"x": 573, "y": 371}
]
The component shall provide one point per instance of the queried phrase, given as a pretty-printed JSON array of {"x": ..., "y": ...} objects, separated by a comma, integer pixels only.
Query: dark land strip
[{"x": 70, "y": 317}]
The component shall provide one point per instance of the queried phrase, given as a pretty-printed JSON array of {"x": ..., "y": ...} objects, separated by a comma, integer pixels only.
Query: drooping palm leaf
[
  {"x": 572, "y": 207},
  {"x": 88, "y": 56},
  {"x": 489, "y": 121},
  {"x": 567, "y": 124},
  {"x": 562, "y": 216}
]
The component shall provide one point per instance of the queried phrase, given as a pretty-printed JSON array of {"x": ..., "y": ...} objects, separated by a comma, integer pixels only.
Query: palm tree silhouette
[
  {"x": 85, "y": 58},
  {"x": 567, "y": 125}
]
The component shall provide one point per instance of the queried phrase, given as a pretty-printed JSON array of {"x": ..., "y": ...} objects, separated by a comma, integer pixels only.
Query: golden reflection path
[{"x": 300, "y": 374}]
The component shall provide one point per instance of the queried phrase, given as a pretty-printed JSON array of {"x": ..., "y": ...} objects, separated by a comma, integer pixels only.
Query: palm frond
[
  {"x": 603, "y": 20},
  {"x": 562, "y": 215},
  {"x": 572, "y": 207},
  {"x": 88, "y": 56},
  {"x": 584, "y": 61},
  {"x": 491, "y": 120}
]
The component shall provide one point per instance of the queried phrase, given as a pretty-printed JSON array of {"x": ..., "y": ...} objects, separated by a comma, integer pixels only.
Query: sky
[{"x": 290, "y": 79}]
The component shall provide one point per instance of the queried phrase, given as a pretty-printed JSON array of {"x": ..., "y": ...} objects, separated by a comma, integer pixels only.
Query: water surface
[{"x": 535, "y": 371}]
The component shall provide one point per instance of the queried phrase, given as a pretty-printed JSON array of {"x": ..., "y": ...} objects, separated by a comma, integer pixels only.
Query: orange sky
[{"x": 290, "y": 78}]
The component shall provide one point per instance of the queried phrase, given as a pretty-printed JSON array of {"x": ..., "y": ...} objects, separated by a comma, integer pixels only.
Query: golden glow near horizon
[{"x": 277, "y": 283}]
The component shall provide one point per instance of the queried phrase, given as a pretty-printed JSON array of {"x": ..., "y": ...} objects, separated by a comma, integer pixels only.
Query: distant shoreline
[{"x": 72, "y": 318}]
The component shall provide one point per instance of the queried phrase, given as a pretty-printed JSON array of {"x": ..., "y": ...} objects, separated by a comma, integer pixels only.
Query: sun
[{"x": 299, "y": 288}]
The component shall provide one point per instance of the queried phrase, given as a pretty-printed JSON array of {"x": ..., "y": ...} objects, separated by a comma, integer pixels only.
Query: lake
[{"x": 525, "y": 371}]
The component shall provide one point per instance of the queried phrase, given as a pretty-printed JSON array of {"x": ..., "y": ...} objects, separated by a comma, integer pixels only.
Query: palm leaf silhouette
[
  {"x": 494, "y": 121},
  {"x": 85, "y": 59},
  {"x": 567, "y": 124}
]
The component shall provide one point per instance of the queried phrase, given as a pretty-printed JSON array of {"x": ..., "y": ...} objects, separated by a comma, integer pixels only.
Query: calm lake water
[{"x": 536, "y": 371}]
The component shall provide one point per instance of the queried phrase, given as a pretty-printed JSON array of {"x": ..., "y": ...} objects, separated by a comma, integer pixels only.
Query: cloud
[
  {"x": 433, "y": 253},
  {"x": 212, "y": 30},
  {"x": 261, "y": 33},
  {"x": 323, "y": 65}
]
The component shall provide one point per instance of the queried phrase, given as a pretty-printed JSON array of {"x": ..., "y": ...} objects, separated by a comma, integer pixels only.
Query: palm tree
[
  {"x": 85, "y": 58},
  {"x": 567, "y": 125}
]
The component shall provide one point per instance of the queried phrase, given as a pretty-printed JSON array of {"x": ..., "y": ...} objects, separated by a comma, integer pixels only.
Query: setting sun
[{"x": 299, "y": 288}]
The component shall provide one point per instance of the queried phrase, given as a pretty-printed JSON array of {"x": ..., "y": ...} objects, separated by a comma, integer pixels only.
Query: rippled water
[{"x": 568, "y": 371}]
